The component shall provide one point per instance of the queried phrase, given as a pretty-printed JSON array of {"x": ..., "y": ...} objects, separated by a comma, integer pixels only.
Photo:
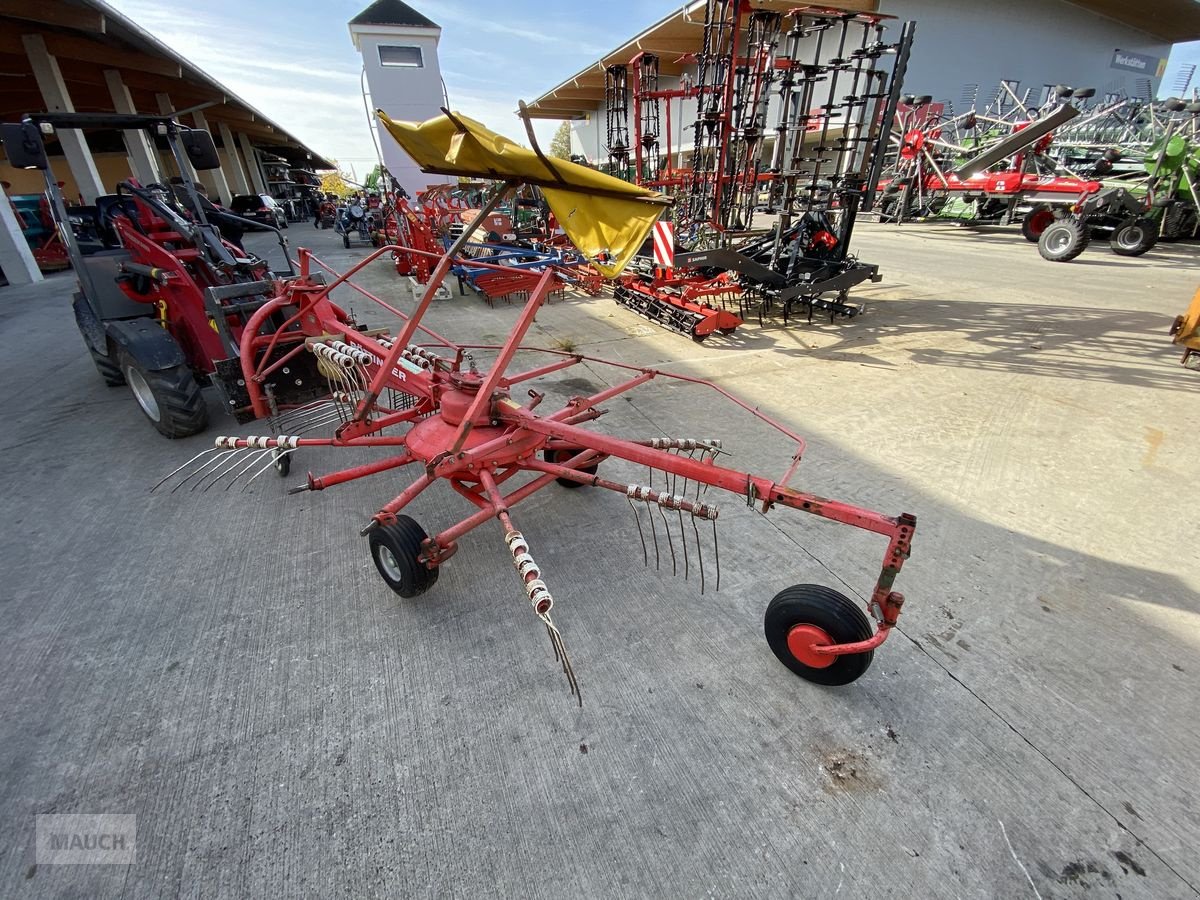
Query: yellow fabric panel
[{"x": 608, "y": 230}]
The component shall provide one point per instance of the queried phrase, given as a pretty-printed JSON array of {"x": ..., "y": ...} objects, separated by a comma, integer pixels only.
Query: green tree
[
  {"x": 560, "y": 144},
  {"x": 334, "y": 183}
]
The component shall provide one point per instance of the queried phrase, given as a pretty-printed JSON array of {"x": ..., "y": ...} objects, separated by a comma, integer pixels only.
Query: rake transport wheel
[
  {"x": 282, "y": 462},
  {"x": 808, "y": 615},
  {"x": 1134, "y": 237},
  {"x": 395, "y": 549},
  {"x": 1038, "y": 220},
  {"x": 170, "y": 398},
  {"x": 559, "y": 457},
  {"x": 1064, "y": 239}
]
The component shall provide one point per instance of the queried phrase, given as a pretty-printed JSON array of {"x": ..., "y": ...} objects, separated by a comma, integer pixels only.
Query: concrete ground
[{"x": 230, "y": 668}]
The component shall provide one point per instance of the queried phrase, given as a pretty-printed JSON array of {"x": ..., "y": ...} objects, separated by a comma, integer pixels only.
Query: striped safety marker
[{"x": 664, "y": 244}]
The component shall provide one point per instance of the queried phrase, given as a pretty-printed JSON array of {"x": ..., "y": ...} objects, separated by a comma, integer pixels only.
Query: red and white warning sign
[{"x": 664, "y": 244}]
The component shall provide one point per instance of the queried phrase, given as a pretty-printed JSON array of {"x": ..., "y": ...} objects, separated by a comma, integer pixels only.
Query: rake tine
[
  {"x": 221, "y": 471},
  {"x": 253, "y": 477},
  {"x": 699, "y": 557},
  {"x": 683, "y": 538},
  {"x": 216, "y": 459},
  {"x": 638, "y": 520},
  {"x": 654, "y": 535},
  {"x": 560, "y": 655},
  {"x": 717, "y": 554},
  {"x": 670, "y": 543},
  {"x": 179, "y": 469},
  {"x": 246, "y": 468}
]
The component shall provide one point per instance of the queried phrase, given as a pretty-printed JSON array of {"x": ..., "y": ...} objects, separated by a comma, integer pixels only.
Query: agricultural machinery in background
[
  {"x": 163, "y": 299},
  {"x": 428, "y": 403},
  {"x": 1071, "y": 170},
  {"x": 838, "y": 81},
  {"x": 355, "y": 222},
  {"x": 36, "y": 220}
]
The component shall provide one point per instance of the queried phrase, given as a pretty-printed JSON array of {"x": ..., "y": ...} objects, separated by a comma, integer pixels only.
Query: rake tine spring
[
  {"x": 670, "y": 543},
  {"x": 246, "y": 486},
  {"x": 683, "y": 538},
  {"x": 638, "y": 520},
  {"x": 179, "y": 469},
  {"x": 216, "y": 459},
  {"x": 699, "y": 558}
]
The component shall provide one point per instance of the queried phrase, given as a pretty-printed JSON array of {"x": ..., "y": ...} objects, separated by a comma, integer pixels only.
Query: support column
[
  {"x": 256, "y": 175},
  {"x": 235, "y": 162},
  {"x": 16, "y": 259},
  {"x": 143, "y": 160},
  {"x": 218, "y": 184},
  {"x": 166, "y": 108},
  {"x": 54, "y": 95}
]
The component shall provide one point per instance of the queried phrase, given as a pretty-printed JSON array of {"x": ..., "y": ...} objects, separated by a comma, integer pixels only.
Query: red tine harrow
[{"x": 433, "y": 409}]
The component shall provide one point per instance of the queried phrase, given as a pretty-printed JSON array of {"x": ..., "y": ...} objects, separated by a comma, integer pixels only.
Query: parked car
[{"x": 262, "y": 208}]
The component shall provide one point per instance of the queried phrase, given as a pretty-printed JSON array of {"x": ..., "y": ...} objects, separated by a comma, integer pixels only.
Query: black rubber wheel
[
  {"x": 395, "y": 549},
  {"x": 1035, "y": 222},
  {"x": 823, "y": 608},
  {"x": 558, "y": 457},
  {"x": 700, "y": 338},
  {"x": 346, "y": 239},
  {"x": 169, "y": 398},
  {"x": 1063, "y": 240},
  {"x": 727, "y": 330},
  {"x": 108, "y": 367},
  {"x": 283, "y": 463},
  {"x": 1134, "y": 237}
]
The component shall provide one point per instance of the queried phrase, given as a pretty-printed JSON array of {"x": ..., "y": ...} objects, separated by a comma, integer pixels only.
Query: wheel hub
[
  {"x": 802, "y": 641},
  {"x": 142, "y": 393}
]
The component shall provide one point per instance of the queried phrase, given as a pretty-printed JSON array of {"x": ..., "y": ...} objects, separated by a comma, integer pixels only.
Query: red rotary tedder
[{"x": 434, "y": 410}]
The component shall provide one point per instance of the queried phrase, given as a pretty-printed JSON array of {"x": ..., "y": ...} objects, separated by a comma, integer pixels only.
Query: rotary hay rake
[{"x": 464, "y": 426}]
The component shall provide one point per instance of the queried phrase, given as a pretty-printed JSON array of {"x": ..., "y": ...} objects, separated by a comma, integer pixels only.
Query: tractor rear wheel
[
  {"x": 559, "y": 457},
  {"x": 1064, "y": 239},
  {"x": 1035, "y": 222},
  {"x": 395, "y": 549},
  {"x": 1134, "y": 237},
  {"x": 805, "y": 616},
  {"x": 169, "y": 398}
]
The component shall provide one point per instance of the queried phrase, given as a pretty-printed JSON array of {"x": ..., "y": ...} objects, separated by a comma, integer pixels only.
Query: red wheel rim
[
  {"x": 802, "y": 640},
  {"x": 1040, "y": 221}
]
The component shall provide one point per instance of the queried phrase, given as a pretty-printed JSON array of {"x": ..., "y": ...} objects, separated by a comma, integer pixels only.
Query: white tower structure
[{"x": 399, "y": 48}]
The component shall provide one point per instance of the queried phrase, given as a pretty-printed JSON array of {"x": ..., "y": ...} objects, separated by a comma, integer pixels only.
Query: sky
[{"x": 294, "y": 61}]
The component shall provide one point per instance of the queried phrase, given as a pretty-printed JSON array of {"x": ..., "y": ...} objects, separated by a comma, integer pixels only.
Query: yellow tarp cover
[{"x": 607, "y": 219}]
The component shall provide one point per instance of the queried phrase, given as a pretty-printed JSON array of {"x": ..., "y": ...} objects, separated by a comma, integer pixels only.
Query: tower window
[{"x": 405, "y": 57}]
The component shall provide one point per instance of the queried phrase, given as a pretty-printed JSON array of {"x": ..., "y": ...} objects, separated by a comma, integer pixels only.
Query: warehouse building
[
  {"x": 963, "y": 54},
  {"x": 84, "y": 56}
]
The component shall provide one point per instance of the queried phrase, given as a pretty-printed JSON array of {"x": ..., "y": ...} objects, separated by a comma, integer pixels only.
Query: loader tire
[
  {"x": 1134, "y": 237},
  {"x": 1064, "y": 240},
  {"x": 108, "y": 367},
  {"x": 169, "y": 398}
]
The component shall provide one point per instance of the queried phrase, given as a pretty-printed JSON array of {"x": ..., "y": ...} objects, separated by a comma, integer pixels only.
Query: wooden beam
[
  {"x": 54, "y": 12},
  {"x": 71, "y": 47}
]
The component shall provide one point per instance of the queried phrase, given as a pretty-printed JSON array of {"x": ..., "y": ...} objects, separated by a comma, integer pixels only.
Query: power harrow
[{"x": 427, "y": 404}]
